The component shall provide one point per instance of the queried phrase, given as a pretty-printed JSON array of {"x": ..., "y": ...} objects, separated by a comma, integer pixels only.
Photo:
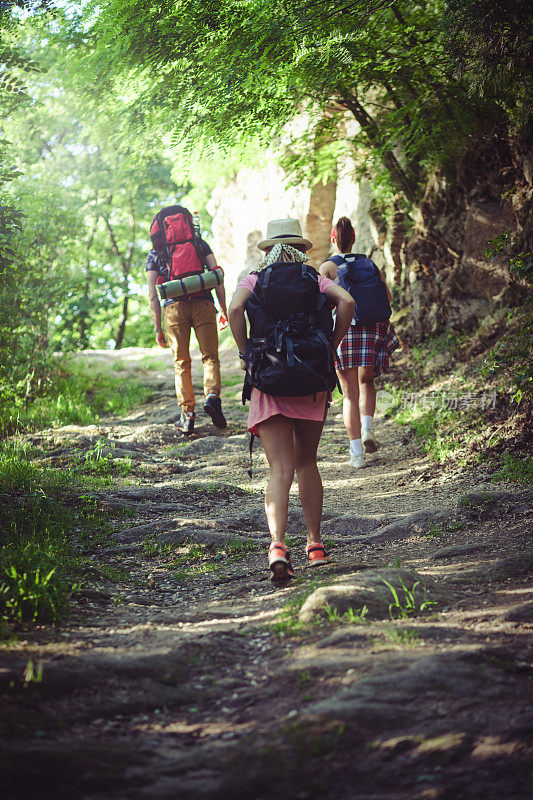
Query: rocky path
[{"x": 183, "y": 673}]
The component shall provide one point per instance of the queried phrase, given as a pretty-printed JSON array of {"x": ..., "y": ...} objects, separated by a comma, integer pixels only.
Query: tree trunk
[
  {"x": 321, "y": 207},
  {"x": 319, "y": 220},
  {"x": 125, "y": 261},
  {"x": 84, "y": 313},
  {"x": 119, "y": 338}
]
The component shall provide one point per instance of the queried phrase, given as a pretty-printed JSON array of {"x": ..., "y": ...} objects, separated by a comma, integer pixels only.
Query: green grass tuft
[
  {"x": 43, "y": 531},
  {"x": 515, "y": 469},
  {"x": 74, "y": 395}
]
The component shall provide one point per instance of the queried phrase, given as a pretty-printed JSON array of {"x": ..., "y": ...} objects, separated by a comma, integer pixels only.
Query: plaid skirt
[{"x": 367, "y": 346}]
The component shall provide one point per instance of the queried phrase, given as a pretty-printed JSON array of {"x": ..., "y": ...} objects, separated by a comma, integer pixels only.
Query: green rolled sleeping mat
[{"x": 202, "y": 281}]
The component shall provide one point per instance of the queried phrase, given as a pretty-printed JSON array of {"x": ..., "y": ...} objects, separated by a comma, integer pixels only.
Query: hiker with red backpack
[
  {"x": 364, "y": 352},
  {"x": 182, "y": 267},
  {"x": 289, "y": 361}
]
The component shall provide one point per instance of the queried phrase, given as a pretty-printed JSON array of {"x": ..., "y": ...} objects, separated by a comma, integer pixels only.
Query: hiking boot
[
  {"x": 357, "y": 460},
  {"x": 213, "y": 407},
  {"x": 186, "y": 422},
  {"x": 369, "y": 441}
]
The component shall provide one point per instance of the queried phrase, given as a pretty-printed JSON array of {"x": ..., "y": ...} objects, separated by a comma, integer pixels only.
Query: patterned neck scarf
[{"x": 283, "y": 252}]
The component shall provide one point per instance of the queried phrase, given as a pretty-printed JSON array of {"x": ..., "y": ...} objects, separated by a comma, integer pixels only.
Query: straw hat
[{"x": 284, "y": 231}]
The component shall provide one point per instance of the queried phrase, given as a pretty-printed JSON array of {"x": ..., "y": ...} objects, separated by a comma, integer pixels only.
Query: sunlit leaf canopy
[
  {"x": 114, "y": 108},
  {"x": 210, "y": 73}
]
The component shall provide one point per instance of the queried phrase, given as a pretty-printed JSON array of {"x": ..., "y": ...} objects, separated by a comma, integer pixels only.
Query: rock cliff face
[
  {"x": 242, "y": 208},
  {"x": 450, "y": 281},
  {"x": 437, "y": 266}
]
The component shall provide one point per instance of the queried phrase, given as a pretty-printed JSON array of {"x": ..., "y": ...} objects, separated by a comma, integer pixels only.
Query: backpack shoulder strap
[
  {"x": 309, "y": 272},
  {"x": 267, "y": 273},
  {"x": 159, "y": 217},
  {"x": 197, "y": 244}
]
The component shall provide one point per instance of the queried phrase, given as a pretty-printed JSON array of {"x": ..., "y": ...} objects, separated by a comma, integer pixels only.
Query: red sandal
[
  {"x": 316, "y": 554},
  {"x": 279, "y": 560}
]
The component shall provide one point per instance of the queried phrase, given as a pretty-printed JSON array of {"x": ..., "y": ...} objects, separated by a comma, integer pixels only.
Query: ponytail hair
[{"x": 344, "y": 234}]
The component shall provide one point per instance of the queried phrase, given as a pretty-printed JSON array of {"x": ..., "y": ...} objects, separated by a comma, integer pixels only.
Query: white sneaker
[
  {"x": 357, "y": 461},
  {"x": 369, "y": 441}
]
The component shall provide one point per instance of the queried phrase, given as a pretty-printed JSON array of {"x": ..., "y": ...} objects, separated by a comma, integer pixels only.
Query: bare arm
[
  {"x": 328, "y": 269},
  {"x": 237, "y": 320},
  {"x": 155, "y": 308},
  {"x": 345, "y": 305},
  {"x": 220, "y": 291}
]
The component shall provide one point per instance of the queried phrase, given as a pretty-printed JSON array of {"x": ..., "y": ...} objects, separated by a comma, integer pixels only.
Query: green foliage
[
  {"x": 44, "y": 528},
  {"x": 34, "y": 526},
  {"x": 95, "y": 462},
  {"x": 350, "y": 617},
  {"x": 520, "y": 263},
  {"x": 29, "y": 588},
  {"x": 407, "y": 602},
  {"x": 516, "y": 469},
  {"x": 236, "y": 549},
  {"x": 430, "y": 428},
  {"x": 74, "y": 394},
  {"x": 491, "y": 43},
  {"x": 33, "y": 673},
  {"x": 238, "y": 73},
  {"x": 475, "y": 505},
  {"x": 438, "y": 530},
  {"x": 287, "y": 622},
  {"x": 303, "y": 677},
  {"x": 512, "y": 358},
  {"x": 74, "y": 224},
  {"x": 402, "y": 638}
]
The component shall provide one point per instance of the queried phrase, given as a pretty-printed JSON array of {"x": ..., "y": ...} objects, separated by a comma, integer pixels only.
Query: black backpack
[
  {"x": 361, "y": 278},
  {"x": 289, "y": 351}
]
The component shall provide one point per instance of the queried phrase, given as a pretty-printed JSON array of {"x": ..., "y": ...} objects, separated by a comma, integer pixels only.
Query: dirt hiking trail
[{"x": 182, "y": 672}]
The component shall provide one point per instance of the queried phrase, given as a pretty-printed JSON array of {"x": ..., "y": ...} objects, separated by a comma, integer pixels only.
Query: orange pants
[{"x": 180, "y": 317}]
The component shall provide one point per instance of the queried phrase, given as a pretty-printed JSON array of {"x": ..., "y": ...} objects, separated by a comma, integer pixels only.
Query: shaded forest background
[{"x": 113, "y": 109}]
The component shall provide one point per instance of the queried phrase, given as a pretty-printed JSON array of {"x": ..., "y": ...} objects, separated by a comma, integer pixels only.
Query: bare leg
[
  {"x": 307, "y": 434},
  {"x": 277, "y": 437},
  {"x": 367, "y": 389},
  {"x": 348, "y": 380}
]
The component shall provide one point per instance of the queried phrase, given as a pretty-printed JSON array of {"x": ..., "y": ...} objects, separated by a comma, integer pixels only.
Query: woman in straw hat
[{"x": 289, "y": 427}]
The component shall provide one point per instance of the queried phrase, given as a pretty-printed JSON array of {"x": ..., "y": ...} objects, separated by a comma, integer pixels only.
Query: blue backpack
[{"x": 360, "y": 277}]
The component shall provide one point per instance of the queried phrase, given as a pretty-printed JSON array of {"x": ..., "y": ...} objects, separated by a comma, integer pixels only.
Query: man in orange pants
[{"x": 181, "y": 314}]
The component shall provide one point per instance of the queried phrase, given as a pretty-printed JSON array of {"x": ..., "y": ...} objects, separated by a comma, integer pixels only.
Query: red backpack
[{"x": 174, "y": 238}]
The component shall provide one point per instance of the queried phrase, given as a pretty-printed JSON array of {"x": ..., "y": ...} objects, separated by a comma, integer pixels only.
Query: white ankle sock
[
  {"x": 366, "y": 422},
  {"x": 356, "y": 447}
]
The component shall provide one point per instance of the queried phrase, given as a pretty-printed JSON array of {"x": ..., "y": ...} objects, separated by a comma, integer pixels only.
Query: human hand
[
  {"x": 242, "y": 364},
  {"x": 161, "y": 338},
  {"x": 222, "y": 321}
]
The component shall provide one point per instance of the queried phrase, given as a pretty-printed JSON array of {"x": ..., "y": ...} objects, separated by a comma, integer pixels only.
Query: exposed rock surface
[{"x": 372, "y": 590}]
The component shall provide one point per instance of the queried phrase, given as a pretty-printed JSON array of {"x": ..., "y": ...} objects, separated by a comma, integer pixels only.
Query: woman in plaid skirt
[{"x": 362, "y": 355}]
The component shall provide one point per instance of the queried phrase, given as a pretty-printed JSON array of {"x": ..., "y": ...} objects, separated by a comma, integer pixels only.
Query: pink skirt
[{"x": 263, "y": 406}]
